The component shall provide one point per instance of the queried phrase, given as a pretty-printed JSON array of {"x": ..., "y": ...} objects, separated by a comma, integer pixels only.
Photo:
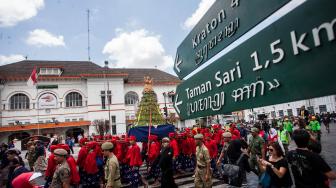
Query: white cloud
[
  {"x": 137, "y": 49},
  {"x": 14, "y": 11},
  {"x": 10, "y": 58},
  {"x": 41, "y": 37},
  {"x": 197, "y": 15}
]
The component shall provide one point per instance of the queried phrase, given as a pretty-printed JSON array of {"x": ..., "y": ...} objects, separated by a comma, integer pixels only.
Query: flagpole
[{"x": 38, "y": 113}]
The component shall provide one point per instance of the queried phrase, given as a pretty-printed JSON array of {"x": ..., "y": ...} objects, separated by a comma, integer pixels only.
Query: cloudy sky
[{"x": 128, "y": 33}]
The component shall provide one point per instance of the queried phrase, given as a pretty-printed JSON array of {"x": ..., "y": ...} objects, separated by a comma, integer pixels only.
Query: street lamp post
[
  {"x": 108, "y": 97},
  {"x": 165, "y": 107}
]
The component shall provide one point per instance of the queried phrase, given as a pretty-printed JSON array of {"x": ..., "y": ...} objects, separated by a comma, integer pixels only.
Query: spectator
[
  {"x": 277, "y": 167},
  {"x": 16, "y": 168},
  {"x": 309, "y": 169}
]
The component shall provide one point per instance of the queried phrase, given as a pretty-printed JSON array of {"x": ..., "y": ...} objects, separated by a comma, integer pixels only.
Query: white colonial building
[{"x": 70, "y": 95}]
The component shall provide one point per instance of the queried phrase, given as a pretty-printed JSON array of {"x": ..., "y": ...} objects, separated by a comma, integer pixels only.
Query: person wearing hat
[
  {"x": 62, "y": 174},
  {"x": 288, "y": 126},
  {"x": 256, "y": 150},
  {"x": 40, "y": 164},
  {"x": 30, "y": 154},
  {"x": 135, "y": 161},
  {"x": 26, "y": 180},
  {"x": 153, "y": 153},
  {"x": 315, "y": 127},
  {"x": 111, "y": 168},
  {"x": 174, "y": 145},
  {"x": 51, "y": 166},
  {"x": 227, "y": 139},
  {"x": 165, "y": 162},
  {"x": 284, "y": 137},
  {"x": 202, "y": 172}
]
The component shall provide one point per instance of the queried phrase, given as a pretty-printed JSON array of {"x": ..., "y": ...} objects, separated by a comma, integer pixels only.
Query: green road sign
[
  {"x": 292, "y": 59},
  {"x": 47, "y": 86},
  {"x": 225, "y": 21}
]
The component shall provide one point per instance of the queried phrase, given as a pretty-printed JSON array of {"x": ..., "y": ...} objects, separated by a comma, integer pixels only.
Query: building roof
[{"x": 21, "y": 71}]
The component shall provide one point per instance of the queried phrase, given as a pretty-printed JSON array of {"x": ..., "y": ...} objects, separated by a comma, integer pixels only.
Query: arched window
[
  {"x": 19, "y": 101},
  {"x": 131, "y": 98},
  {"x": 73, "y": 99}
]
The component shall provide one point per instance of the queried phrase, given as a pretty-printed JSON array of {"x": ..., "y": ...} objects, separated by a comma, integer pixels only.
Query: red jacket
[
  {"x": 153, "y": 152},
  {"x": 134, "y": 156},
  {"x": 218, "y": 136},
  {"x": 192, "y": 145},
  {"x": 75, "y": 179},
  {"x": 81, "y": 156},
  {"x": 212, "y": 147},
  {"x": 174, "y": 145},
  {"x": 186, "y": 149},
  {"x": 51, "y": 166}
]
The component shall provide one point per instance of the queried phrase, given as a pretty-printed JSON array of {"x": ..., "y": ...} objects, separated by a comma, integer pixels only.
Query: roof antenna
[{"x": 88, "y": 30}]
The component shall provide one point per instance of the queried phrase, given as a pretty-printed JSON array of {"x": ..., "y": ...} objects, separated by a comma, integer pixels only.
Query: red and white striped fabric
[{"x": 33, "y": 78}]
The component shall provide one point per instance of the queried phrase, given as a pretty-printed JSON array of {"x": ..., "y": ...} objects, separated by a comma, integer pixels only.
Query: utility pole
[
  {"x": 88, "y": 30},
  {"x": 108, "y": 97}
]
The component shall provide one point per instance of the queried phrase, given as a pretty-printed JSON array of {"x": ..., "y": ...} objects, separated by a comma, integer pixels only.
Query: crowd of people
[{"x": 226, "y": 152}]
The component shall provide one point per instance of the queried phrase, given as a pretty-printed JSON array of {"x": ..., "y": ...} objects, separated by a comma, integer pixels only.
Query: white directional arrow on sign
[
  {"x": 177, "y": 104},
  {"x": 178, "y": 62}
]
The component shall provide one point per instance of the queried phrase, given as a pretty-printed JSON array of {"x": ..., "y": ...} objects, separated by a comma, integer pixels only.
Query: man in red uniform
[
  {"x": 81, "y": 156},
  {"x": 213, "y": 151},
  {"x": 173, "y": 144},
  {"x": 122, "y": 148},
  {"x": 235, "y": 132},
  {"x": 192, "y": 145},
  {"x": 135, "y": 161},
  {"x": 153, "y": 153},
  {"x": 51, "y": 167}
]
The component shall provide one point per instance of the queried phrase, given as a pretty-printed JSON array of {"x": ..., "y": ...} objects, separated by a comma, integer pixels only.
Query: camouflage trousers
[{"x": 200, "y": 181}]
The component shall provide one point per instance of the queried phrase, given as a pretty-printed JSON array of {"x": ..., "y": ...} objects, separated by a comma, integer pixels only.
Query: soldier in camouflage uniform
[
  {"x": 62, "y": 175},
  {"x": 111, "y": 169},
  {"x": 202, "y": 172},
  {"x": 256, "y": 150}
]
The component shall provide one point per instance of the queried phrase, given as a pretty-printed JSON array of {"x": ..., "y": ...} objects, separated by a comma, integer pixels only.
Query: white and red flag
[{"x": 33, "y": 78}]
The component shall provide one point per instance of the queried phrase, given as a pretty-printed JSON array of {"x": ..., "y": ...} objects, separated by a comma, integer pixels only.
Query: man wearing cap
[
  {"x": 62, "y": 175},
  {"x": 111, "y": 169},
  {"x": 135, "y": 161},
  {"x": 315, "y": 127},
  {"x": 227, "y": 139},
  {"x": 256, "y": 150},
  {"x": 288, "y": 126},
  {"x": 202, "y": 172},
  {"x": 30, "y": 154}
]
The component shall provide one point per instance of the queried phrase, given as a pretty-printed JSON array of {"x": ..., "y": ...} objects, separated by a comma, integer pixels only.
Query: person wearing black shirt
[
  {"x": 309, "y": 169},
  {"x": 277, "y": 167},
  {"x": 165, "y": 161},
  {"x": 237, "y": 154}
]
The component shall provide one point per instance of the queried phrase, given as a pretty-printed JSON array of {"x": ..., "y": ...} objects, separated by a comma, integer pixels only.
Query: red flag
[{"x": 33, "y": 78}]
